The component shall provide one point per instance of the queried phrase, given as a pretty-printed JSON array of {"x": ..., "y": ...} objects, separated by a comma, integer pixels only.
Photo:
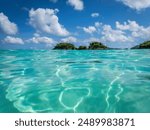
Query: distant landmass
[
  {"x": 96, "y": 46},
  {"x": 70, "y": 46},
  {"x": 145, "y": 45}
]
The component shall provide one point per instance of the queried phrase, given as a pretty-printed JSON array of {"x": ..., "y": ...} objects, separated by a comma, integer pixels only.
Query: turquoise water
[{"x": 75, "y": 81}]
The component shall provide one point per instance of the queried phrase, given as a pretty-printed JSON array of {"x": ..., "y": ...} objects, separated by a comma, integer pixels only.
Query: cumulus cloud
[
  {"x": 127, "y": 32},
  {"x": 77, "y": 4},
  {"x": 129, "y": 25},
  {"x": 136, "y": 4},
  {"x": 98, "y": 24},
  {"x": 135, "y": 29},
  {"x": 13, "y": 40},
  {"x": 90, "y": 29},
  {"x": 69, "y": 39},
  {"x": 6, "y": 26},
  {"x": 46, "y": 20},
  {"x": 95, "y": 15},
  {"x": 38, "y": 39},
  {"x": 112, "y": 35}
]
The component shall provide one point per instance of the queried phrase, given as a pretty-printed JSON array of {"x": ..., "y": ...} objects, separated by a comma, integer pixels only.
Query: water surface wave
[{"x": 75, "y": 81}]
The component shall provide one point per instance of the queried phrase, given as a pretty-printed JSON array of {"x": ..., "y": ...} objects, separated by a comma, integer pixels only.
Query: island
[
  {"x": 70, "y": 46},
  {"x": 145, "y": 45},
  {"x": 64, "y": 46}
]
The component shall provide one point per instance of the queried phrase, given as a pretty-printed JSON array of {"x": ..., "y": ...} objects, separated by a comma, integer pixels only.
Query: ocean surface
[{"x": 104, "y": 81}]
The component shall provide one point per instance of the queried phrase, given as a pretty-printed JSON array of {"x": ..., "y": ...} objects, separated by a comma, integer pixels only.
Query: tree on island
[
  {"x": 64, "y": 46},
  {"x": 82, "y": 48},
  {"x": 69, "y": 46},
  {"x": 97, "y": 46},
  {"x": 145, "y": 45}
]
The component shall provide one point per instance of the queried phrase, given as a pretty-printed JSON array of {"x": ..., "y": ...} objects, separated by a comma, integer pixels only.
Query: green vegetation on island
[
  {"x": 69, "y": 46},
  {"x": 64, "y": 46},
  {"x": 97, "y": 46},
  {"x": 82, "y": 48},
  {"x": 145, "y": 45}
]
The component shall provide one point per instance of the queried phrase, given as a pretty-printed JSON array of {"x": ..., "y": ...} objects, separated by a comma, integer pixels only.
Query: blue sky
[{"x": 40, "y": 24}]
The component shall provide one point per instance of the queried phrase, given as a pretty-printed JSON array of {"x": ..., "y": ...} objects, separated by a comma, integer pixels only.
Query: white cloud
[
  {"x": 77, "y": 4},
  {"x": 46, "y": 20},
  {"x": 7, "y": 26},
  {"x": 91, "y": 39},
  {"x": 111, "y": 35},
  {"x": 38, "y": 39},
  {"x": 69, "y": 39},
  {"x": 95, "y": 15},
  {"x": 135, "y": 29},
  {"x": 86, "y": 41},
  {"x": 98, "y": 24},
  {"x": 36, "y": 34},
  {"x": 90, "y": 29},
  {"x": 130, "y": 25},
  {"x": 128, "y": 32},
  {"x": 136, "y": 4},
  {"x": 13, "y": 40},
  {"x": 144, "y": 33}
]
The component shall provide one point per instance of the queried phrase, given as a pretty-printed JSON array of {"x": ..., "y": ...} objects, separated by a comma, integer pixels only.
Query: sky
[{"x": 41, "y": 24}]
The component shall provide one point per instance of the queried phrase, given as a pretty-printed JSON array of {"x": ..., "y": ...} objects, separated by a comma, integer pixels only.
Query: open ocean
[{"x": 103, "y": 81}]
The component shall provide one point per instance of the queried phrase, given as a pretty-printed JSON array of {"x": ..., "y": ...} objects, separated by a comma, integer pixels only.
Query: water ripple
[{"x": 75, "y": 81}]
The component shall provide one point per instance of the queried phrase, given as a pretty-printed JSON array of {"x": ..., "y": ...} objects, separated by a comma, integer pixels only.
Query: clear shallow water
[{"x": 75, "y": 81}]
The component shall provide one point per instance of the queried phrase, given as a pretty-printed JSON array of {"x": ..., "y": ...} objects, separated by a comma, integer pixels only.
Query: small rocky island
[{"x": 70, "y": 46}]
